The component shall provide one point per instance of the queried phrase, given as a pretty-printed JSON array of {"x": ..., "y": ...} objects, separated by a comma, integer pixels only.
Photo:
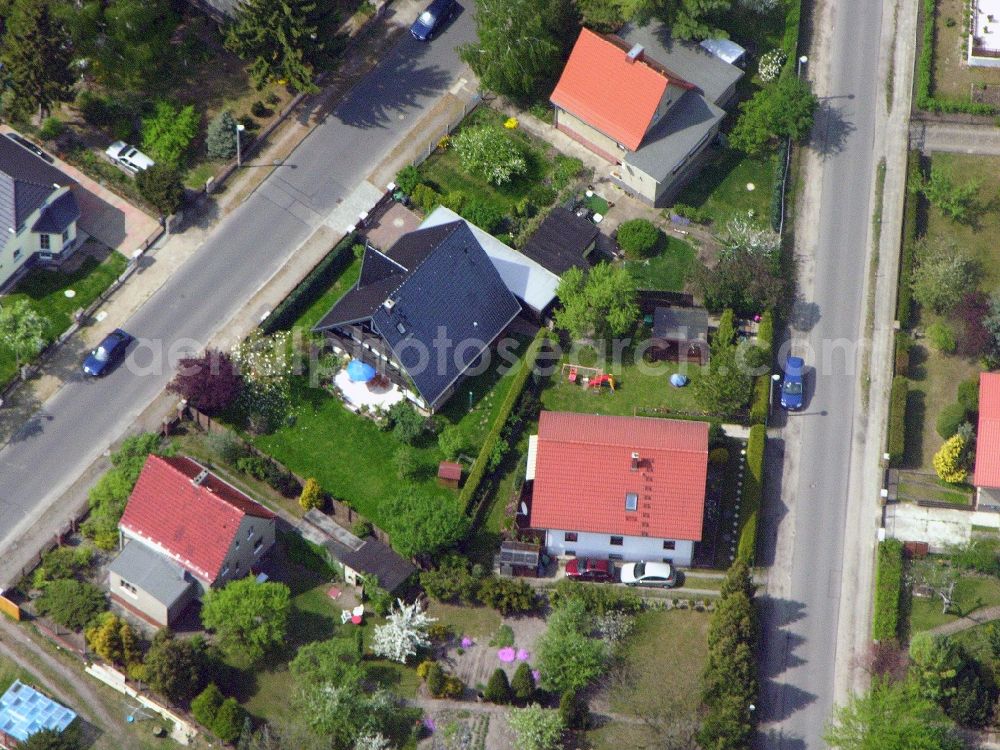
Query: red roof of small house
[
  {"x": 602, "y": 87},
  {"x": 988, "y": 435},
  {"x": 188, "y": 513},
  {"x": 450, "y": 470},
  {"x": 584, "y": 471}
]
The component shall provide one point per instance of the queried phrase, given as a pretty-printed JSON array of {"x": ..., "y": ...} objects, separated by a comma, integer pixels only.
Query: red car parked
[{"x": 581, "y": 569}]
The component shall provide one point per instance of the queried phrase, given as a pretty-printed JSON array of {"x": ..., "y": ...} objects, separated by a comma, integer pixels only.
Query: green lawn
[
  {"x": 643, "y": 389},
  {"x": 971, "y": 593},
  {"x": 353, "y": 459},
  {"x": 45, "y": 290},
  {"x": 668, "y": 270},
  {"x": 9, "y": 671},
  {"x": 348, "y": 454},
  {"x": 478, "y": 622},
  {"x": 935, "y": 376},
  {"x": 347, "y": 278},
  {"x": 444, "y": 172},
  {"x": 720, "y": 188},
  {"x": 663, "y": 643}
]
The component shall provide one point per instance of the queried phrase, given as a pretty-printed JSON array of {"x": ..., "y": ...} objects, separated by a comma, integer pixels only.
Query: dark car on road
[
  {"x": 580, "y": 569},
  {"x": 107, "y": 354},
  {"x": 791, "y": 385},
  {"x": 431, "y": 20}
]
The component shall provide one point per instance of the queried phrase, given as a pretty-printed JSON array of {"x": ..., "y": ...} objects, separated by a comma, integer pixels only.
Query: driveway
[
  {"x": 245, "y": 250},
  {"x": 105, "y": 216}
]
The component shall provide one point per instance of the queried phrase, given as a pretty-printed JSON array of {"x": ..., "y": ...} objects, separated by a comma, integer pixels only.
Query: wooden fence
[{"x": 9, "y": 608}]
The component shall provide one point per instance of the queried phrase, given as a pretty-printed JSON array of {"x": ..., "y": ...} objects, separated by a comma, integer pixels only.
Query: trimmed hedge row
[
  {"x": 759, "y": 403},
  {"x": 925, "y": 75},
  {"x": 753, "y": 492},
  {"x": 793, "y": 20},
  {"x": 888, "y": 585},
  {"x": 778, "y": 191},
  {"x": 478, "y": 470},
  {"x": 904, "y": 301},
  {"x": 309, "y": 289},
  {"x": 897, "y": 419}
]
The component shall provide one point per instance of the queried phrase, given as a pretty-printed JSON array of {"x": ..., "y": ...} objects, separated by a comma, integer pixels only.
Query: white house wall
[
  {"x": 632, "y": 549},
  {"x": 29, "y": 243}
]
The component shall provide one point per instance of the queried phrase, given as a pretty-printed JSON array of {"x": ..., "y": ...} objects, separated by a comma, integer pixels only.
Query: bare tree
[{"x": 938, "y": 578}]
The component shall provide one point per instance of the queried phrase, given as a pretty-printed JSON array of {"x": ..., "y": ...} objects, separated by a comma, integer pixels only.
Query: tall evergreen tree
[
  {"x": 280, "y": 39},
  {"x": 36, "y": 57}
]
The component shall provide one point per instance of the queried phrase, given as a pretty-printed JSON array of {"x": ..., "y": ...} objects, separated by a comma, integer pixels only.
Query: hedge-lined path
[{"x": 971, "y": 620}]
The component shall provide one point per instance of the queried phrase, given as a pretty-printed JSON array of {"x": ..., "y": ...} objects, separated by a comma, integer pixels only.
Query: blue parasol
[
  {"x": 678, "y": 381},
  {"x": 360, "y": 372}
]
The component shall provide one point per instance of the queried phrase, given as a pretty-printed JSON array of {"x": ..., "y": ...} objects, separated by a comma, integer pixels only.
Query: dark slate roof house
[
  {"x": 26, "y": 182},
  {"x": 38, "y": 212},
  {"x": 562, "y": 241},
  {"x": 429, "y": 307}
]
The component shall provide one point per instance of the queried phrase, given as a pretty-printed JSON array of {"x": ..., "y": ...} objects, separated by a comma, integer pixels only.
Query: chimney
[
  {"x": 635, "y": 461},
  {"x": 634, "y": 54},
  {"x": 202, "y": 476}
]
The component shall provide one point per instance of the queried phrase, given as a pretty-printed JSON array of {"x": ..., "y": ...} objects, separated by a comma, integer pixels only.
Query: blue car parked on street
[
  {"x": 107, "y": 354},
  {"x": 431, "y": 20},
  {"x": 791, "y": 386}
]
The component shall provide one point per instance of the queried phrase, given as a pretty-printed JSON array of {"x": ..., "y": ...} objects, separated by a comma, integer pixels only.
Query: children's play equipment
[
  {"x": 602, "y": 380},
  {"x": 588, "y": 377}
]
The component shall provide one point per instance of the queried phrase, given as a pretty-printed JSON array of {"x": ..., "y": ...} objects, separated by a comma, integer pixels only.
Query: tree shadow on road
[
  {"x": 831, "y": 128},
  {"x": 774, "y": 508}
]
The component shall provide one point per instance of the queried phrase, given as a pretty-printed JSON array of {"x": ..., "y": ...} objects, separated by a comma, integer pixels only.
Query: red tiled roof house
[
  {"x": 183, "y": 532},
  {"x": 622, "y": 488},
  {"x": 987, "y": 473},
  {"x": 646, "y": 105}
]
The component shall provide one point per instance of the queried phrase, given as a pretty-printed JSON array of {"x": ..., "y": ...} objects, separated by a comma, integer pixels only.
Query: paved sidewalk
[{"x": 962, "y": 139}]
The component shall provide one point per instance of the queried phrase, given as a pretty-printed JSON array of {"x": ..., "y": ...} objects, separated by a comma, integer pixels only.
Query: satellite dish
[{"x": 524, "y": 508}]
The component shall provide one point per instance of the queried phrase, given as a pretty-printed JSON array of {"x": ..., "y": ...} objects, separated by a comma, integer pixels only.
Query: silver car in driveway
[
  {"x": 129, "y": 158},
  {"x": 659, "y": 574}
]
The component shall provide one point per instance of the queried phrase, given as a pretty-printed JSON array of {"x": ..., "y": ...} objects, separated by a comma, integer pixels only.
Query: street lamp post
[
  {"x": 240, "y": 127},
  {"x": 802, "y": 61}
]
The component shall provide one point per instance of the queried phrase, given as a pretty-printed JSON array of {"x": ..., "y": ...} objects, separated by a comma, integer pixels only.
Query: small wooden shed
[{"x": 449, "y": 474}]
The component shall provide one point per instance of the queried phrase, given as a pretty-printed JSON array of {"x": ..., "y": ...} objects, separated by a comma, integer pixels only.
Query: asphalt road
[
  {"x": 247, "y": 247},
  {"x": 800, "y": 632}
]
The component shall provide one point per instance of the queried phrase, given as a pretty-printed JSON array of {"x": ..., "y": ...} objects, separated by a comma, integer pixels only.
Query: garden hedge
[
  {"x": 759, "y": 405},
  {"x": 904, "y": 302},
  {"x": 888, "y": 586},
  {"x": 777, "y": 191},
  {"x": 896, "y": 446},
  {"x": 309, "y": 289},
  {"x": 765, "y": 331},
  {"x": 478, "y": 470},
  {"x": 925, "y": 74},
  {"x": 753, "y": 492}
]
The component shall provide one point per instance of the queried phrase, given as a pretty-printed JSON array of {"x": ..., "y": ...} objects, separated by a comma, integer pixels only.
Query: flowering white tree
[
  {"x": 742, "y": 233},
  {"x": 265, "y": 359},
  {"x": 760, "y": 6},
  {"x": 769, "y": 67},
  {"x": 489, "y": 152},
  {"x": 404, "y": 632},
  {"x": 376, "y": 741}
]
